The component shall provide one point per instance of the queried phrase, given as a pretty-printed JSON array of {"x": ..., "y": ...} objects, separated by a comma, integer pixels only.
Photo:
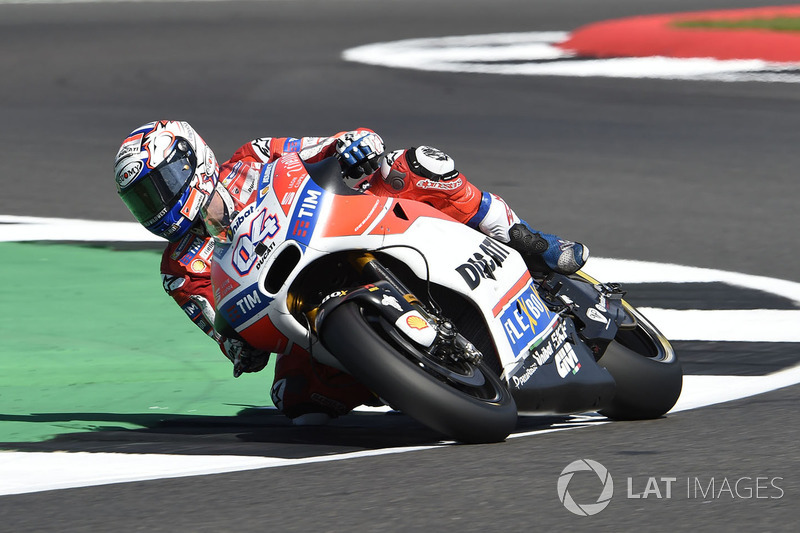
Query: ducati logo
[{"x": 483, "y": 263}]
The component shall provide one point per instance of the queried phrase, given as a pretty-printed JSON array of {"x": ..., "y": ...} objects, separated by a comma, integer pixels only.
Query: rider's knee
[{"x": 423, "y": 167}]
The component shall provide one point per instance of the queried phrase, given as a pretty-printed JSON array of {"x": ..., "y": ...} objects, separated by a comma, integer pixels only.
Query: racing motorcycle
[{"x": 438, "y": 320}]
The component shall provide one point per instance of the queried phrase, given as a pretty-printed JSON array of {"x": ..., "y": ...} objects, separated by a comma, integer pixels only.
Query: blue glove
[{"x": 359, "y": 153}]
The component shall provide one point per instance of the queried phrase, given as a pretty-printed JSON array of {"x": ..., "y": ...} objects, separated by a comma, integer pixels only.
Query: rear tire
[
  {"x": 466, "y": 402},
  {"x": 648, "y": 374}
]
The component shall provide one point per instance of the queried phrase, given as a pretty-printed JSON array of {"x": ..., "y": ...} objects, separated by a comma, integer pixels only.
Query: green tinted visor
[{"x": 158, "y": 191}]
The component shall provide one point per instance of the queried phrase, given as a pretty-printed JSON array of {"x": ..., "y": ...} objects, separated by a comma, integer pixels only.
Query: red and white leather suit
[{"x": 302, "y": 385}]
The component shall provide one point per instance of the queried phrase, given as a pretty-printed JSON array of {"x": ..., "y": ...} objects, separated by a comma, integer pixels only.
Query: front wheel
[
  {"x": 648, "y": 374},
  {"x": 464, "y": 401}
]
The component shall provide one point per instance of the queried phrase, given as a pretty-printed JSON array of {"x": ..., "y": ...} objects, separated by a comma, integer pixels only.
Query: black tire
[
  {"x": 648, "y": 374},
  {"x": 467, "y": 403}
]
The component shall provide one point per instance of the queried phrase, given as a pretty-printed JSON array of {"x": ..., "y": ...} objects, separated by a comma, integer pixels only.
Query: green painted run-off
[{"x": 89, "y": 341}]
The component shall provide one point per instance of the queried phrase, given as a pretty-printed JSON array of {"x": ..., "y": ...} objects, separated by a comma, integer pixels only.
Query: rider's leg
[
  {"x": 429, "y": 175},
  {"x": 311, "y": 393},
  {"x": 543, "y": 252}
]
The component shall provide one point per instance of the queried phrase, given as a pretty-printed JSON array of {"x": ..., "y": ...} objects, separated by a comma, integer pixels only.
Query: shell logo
[
  {"x": 416, "y": 322},
  {"x": 198, "y": 265}
]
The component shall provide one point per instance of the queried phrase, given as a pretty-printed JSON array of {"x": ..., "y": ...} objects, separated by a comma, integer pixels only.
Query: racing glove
[
  {"x": 244, "y": 357},
  {"x": 359, "y": 153}
]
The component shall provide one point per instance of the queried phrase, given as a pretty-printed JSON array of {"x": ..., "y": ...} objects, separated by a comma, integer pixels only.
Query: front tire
[{"x": 466, "y": 402}]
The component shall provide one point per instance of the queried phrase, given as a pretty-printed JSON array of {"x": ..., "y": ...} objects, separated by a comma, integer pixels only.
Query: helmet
[{"x": 166, "y": 174}]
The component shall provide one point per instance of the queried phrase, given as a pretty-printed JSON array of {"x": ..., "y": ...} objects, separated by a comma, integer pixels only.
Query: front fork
[{"x": 388, "y": 295}]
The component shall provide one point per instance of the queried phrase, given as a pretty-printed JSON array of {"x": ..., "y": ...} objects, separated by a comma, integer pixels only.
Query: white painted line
[
  {"x": 452, "y": 54},
  {"x": 533, "y": 54},
  {"x": 737, "y": 325},
  {"x": 702, "y": 391},
  {"x": 18, "y": 229},
  {"x": 22, "y": 472},
  {"x": 25, "y": 472},
  {"x": 630, "y": 271}
]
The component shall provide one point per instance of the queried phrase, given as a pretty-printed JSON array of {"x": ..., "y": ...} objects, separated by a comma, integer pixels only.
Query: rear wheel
[
  {"x": 464, "y": 401},
  {"x": 648, "y": 374}
]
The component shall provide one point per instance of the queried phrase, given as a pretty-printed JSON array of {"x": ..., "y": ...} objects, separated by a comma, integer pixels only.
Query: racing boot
[{"x": 544, "y": 253}]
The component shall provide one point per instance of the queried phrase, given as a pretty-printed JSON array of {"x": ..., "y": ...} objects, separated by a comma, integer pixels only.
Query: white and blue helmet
[{"x": 166, "y": 174}]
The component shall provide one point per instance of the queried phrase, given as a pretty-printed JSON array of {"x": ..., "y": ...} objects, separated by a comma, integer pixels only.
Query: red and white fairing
[{"x": 294, "y": 221}]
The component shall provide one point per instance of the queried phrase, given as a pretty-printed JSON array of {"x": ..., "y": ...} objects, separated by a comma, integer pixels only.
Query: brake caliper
[{"x": 452, "y": 345}]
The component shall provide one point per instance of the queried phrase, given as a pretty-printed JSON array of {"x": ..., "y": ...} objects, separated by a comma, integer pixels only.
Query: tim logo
[
  {"x": 245, "y": 307},
  {"x": 306, "y": 213},
  {"x": 483, "y": 263},
  {"x": 301, "y": 228},
  {"x": 292, "y": 145},
  {"x": 309, "y": 206}
]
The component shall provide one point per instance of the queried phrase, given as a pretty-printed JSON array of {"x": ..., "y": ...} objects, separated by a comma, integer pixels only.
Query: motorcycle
[{"x": 438, "y": 320}]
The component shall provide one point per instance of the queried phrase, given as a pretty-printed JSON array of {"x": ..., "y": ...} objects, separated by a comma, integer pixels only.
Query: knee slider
[
  {"x": 431, "y": 163},
  {"x": 400, "y": 167}
]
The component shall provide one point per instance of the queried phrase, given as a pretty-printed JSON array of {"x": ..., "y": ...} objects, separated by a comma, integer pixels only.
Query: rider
[{"x": 166, "y": 175}]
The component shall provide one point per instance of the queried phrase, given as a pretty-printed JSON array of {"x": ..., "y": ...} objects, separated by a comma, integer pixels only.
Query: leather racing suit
[{"x": 302, "y": 385}]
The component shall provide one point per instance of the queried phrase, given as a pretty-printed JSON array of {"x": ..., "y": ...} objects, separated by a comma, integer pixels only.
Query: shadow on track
[{"x": 252, "y": 432}]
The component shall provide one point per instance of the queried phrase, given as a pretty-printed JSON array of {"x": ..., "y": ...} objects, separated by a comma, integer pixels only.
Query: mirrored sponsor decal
[
  {"x": 292, "y": 145},
  {"x": 482, "y": 263},
  {"x": 244, "y": 306},
  {"x": 597, "y": 316},
  {"x": 188, "y": 253},
  {"x": 449, "y": 185},
  {"x": 129, "y": 172},
  {"x": 306, "y": 213},
  {"x": 391, "y": 301},
  {"x": 414, "y": 326},
  {"x": 265, "y": 180},
  {"x": 262, "y": 145},
  {"x": 172, "y": 283},
  {"x": 525, "y": 320},
  {"x": 552, "y": 346},
  {"x": 417, "y": 322},
  {"x": 566, "y": 361},
  {"x": 247, "y": 248}
]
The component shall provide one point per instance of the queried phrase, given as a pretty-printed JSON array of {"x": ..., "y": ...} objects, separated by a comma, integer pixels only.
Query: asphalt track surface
[{"x": 696, "y": 173}]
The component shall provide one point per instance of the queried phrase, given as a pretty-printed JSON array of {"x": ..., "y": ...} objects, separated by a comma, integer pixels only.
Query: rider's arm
[
  {"x": 186, "y": 275},
  {"x": 310, "y": 149},
  {"x": 429, "y": 175}
]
